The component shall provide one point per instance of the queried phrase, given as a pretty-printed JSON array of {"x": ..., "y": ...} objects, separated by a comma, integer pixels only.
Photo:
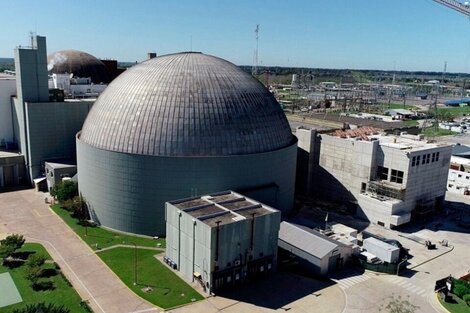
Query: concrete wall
[
  {"x": 192, "y": 244},
  {"x": 31, "y": 71},
  {"x": 7, "y": 89},
  {"x": 188, "y": 243},
  {"x": 343, "y": 166},
  {"x": 127, "y": 192},
  {"x": 46, "y": 131}
]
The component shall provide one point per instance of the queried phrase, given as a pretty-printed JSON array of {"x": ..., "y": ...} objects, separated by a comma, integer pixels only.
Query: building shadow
[
  {"x": 277, "y": 291},
  {"x": 454, "y": 217}
]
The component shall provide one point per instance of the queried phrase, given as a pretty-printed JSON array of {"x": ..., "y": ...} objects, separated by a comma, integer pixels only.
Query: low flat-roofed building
[
  {"x": 222, "y": 239},
  {"x": 318, "y": 252},
  {"x": 12, "y": 169},
  {"x": 57, "y": 170}
]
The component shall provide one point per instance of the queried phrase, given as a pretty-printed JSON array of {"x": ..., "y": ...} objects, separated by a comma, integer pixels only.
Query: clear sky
[{"x": 360, "y": 34}]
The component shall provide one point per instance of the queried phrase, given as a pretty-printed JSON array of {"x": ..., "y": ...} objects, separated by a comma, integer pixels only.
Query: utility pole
[{"x": 254, "y": 70}]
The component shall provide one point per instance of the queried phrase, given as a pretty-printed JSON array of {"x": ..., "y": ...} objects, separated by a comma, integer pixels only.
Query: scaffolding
[{"x": 385, "y": 191}]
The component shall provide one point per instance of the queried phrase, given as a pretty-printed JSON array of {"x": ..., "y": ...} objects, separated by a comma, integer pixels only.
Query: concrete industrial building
[
  {"x": 44, "y": 130},
  {"x": 7, "y": 90},
  {"x": 387, "y": 180},
  {"x": 57, "y": 171},
  {"x": 177, "y": 126},
  {"x": 317, "y": 252},
  {"x": 222, "y": 239}
]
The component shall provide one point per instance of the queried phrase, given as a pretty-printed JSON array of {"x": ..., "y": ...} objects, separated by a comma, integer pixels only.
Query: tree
[
  {"x": 10, "y": 244},
  {"x": 65, "y": 190},
  {"x": 42, "y": 308},
  {"x": 399, "y": 305},
  {"x": 77, "y": 207},
  {"x": 36, "y": 260},
  {"x": 33, "y": 273},
  {"x": 16, "y": 241}
]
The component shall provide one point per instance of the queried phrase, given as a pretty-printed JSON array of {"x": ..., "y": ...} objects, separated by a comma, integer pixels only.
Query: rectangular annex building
[
  {"x": 222, "y": 239},
  {"x": 317, "y": 252}
]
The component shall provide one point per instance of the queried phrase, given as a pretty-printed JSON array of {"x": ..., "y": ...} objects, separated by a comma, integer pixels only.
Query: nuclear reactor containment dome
[
  {"x": 78, "y": 63},
  {"x": 177, "y": 126}
]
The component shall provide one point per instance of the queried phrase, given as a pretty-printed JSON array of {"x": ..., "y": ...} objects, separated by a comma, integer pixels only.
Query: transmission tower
[{"x": 254, "y": 69}]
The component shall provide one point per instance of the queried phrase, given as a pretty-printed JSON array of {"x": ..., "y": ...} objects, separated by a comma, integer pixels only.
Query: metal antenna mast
[{"x": 254, "y": 70}]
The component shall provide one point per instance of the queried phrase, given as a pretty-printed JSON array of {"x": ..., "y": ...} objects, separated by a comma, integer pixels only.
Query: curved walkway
[{"x": 24, "y": 212}]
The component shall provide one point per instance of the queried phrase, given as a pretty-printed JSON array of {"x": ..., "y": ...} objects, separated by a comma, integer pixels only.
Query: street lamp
[{"x": 135, "y": 261}]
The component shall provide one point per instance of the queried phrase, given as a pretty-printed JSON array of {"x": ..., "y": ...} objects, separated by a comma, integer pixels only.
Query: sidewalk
[{"x": 24, "y": 212}]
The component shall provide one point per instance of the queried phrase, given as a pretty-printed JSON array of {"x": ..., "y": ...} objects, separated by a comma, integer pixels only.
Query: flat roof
[
  {"x": 307, "y": 240},
  {"x": 380, "y": 243},
  {"x": 206, "y": 210},
  {"x": 222, "y": 219},
  {"x": 62, "y": 164},
  {"x": 223, "y": 207},
  {"x": 9, "y": 154},
  {"x": 403, "y": 141},
  {"x": 191, "y": 203}
]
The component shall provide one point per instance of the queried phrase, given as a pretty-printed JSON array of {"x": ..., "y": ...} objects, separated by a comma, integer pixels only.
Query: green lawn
[
  {"x": 453, "y": 111},
  {"x": 63, "y": 294},
  {"x": 102, "y": 237},
  {"x": 410, "y": 123},
  {"x": 168, "y": 289},
  {"x": 431, "y": 132},
  {"x": 399, "y": 106},
  {"x": 459, "y": 307}
]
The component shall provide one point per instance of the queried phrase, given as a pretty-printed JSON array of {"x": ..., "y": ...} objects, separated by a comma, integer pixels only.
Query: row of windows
[
  {"x": 425, "y": 159},
  {"x": 396, "y": 176},
  {"x": 466, "y": 177}
]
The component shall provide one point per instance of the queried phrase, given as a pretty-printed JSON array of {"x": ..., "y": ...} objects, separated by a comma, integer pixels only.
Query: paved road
[
  {"x": 282, "y": 292},
  {"x": 25, "y": 212}
]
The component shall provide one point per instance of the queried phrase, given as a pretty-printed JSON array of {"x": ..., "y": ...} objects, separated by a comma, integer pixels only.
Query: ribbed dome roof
[
  {"x": 80, "y": 63},
  {"x": 186, "y": 104}
]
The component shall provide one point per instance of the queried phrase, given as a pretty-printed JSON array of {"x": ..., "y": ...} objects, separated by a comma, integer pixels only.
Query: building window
[
  {"x": 413, "y": 161},
  {"x": 380, "y": 223},
  {"x": 437, "y": 156},
  {"x": 433, "y": 157},
  {"x": 417, "y": 160},
  {"x": 363, "y": 187},
  {"x": 460, "y": 175},
  {"x": 428, "y": 158},
  {"x": 382, "y": 172},
  {"x": 396, "y": 177},
  {"x": 450, "y": 185}
]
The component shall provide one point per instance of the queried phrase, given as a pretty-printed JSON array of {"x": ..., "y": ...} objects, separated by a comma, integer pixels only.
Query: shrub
[
  {"x": 42, "y": 308},
  {"x": 33, "y": 273},
  {"x": 86, "y": 307},
  {"x": 466, "y": 298},
  {"x": 42, "y": 285},
  {"x": 10, "y": 244},
  {"x": 36, "y": 260},
  {"x": 461, "y": 289},
  {"x": 65, "y": 190}
]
